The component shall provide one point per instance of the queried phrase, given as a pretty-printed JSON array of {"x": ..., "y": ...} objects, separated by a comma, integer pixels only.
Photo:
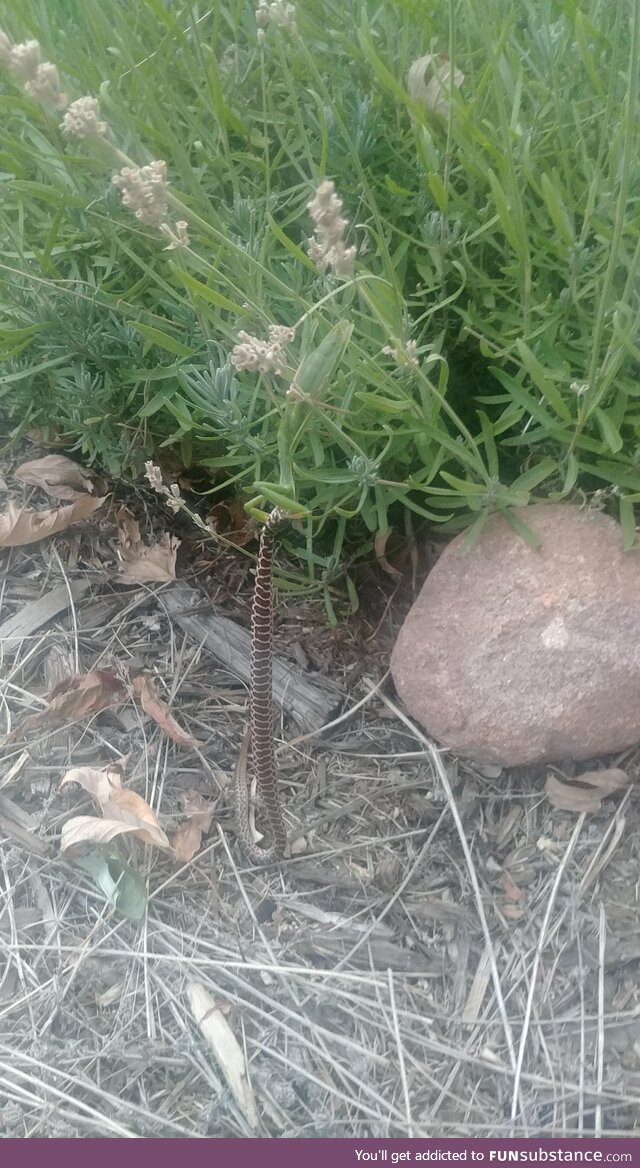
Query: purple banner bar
[{"x": 339, "y": 1153}]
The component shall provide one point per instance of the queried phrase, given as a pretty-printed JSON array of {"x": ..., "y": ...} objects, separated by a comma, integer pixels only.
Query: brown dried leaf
[
  {"x": 88, "y": 829},
  {"x": 187, "y": 840},
  {"x": 153, "y": 705},
  {"x": 380, "y": 546},
  {"x": 130, "y": 808},
  {"x": 124, "y": 811},
  {"x": 100, "y": 784},
  {"x": 75, "y": 698},
  {"x": 21, "y": 525},
  {"x": 188, "y": 837},
  {"x": 140, "y": 564},
  {"x": 58, "y": 476},
  {"x": 238, "y": 527},
  {"x": 585, "y": 792}
]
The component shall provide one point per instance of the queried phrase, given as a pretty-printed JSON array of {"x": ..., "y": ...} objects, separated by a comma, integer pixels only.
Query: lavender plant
[{"x": 317, "y": 269}]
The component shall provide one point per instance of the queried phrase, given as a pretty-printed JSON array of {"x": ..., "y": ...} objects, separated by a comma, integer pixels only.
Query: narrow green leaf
[
  {"x": 504, "y": 214},
  {"x": 556, "y": 208},
  {"x": 473, "y": 533},
  {"x": 162, "y": 340},
  {"x": 276, "y": 496},
  {"x": 461, "y": 485},
  {"x": 293, "y": 249},
  {"x": 204, "y": 292},
  {"x": 438, "y": 190},
  {"x": 536, "y": 475},
  {"x": 627, "y": 523},
  {"x": 159, "y": 401},
  {"x": 608, "y": 429},
  {"x": 522, "y": 530},
  {"x": 542, "y": 382},
  {"x": 490, "y": 448}
]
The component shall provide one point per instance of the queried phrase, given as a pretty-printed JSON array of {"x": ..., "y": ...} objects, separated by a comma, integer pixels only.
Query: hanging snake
[{"x": 261, "y": 733}]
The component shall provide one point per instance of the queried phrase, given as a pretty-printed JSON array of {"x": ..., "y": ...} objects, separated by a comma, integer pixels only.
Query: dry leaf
[
  {"x": 140, "y": 564},
  {"x": 585, "y": 792},
  {"x": 430, "y": 80},
  {"x": 57, "y": 475},
  {"x": 186, "y": 841},
  {"x": 124, "y": 811},
  {"x": 237, "y": 526},
  {"x": 153, "y": 705},
  {"x": 75, "y": 698},
  {"x": 131, "y": 809},
  {"x": 225, "y": 1047},
  {"x": 509, "y": 887},
  {"x": 100, "y": 784},
  {"x": 380, "y": 550},
  {"x": 88, "y": 829},
  {"x": 21, "y": 525},
  {"x": 188, "y": 837}
]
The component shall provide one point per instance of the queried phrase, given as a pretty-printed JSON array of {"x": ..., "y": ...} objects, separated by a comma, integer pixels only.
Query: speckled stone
[{"x": 515, "y": 655}]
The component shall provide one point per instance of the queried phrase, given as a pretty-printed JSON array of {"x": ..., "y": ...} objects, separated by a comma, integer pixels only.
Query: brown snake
[{"x": 261, "y": 736}]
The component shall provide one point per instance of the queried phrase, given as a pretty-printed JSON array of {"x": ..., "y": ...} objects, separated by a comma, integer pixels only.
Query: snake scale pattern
[{"x": 261, "y": 710}]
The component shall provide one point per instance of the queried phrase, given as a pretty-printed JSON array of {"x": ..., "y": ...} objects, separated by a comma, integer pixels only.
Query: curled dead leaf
[
  {"x": 157, "y": 709},
  {"x": 230, "y": 519},
  {"x": 99, "y": 783},
  {"x": 124, "y": 811},
  {"x": 188, "y": 837},
  {"x": 141, "y": 563},
  {"x": 430, "y": 80},
  {"x": 58, "y": 475},
  {"x": 83, "y": 830},
  {"x": 585, "y": 792},
  {"x": 380, "y": 546},
  {"x": 21, "y": 525},
  {"x": 75, "y": 698}
]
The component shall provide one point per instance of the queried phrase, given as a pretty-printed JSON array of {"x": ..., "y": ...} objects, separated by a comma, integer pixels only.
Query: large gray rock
[{"x": 513, "y": 654}]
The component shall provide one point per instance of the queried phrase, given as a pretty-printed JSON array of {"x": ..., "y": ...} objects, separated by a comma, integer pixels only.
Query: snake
[{"x": 260, "y": 738}]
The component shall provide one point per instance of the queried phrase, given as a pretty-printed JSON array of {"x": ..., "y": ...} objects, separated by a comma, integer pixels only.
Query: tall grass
[{"x": 487, "y": 346}]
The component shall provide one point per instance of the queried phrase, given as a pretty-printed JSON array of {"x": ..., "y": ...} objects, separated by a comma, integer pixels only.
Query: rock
[{"x": 514, "y": 655}]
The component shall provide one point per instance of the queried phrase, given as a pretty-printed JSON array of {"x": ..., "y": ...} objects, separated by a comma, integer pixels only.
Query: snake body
[{"x": 261, "y": 710}]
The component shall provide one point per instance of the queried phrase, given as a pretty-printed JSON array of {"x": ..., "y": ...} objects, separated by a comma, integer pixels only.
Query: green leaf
[
  {"x": 277, "y": 496},
  {"x": 627, "y": 523},
  {"x": 490, "y": 448},
  {"x": 156, "y": 337},
  {"x": 542, "y": 382},
  {"x": 523, "y": 398},
  {"x": 461, "y": 485},
  {"x": 536, "y": 475},
  {"x": 504, "y": 214},
  {"x": 293, "y": 249},
  {"x": 556, "y": 208},
  {"x": 616, "y": 473},
  {"x": 159, "y": 401},
  {"x": 473, "y": 532},
  {"x": 204, "y": 292},
  {"x": 122, "y": 886},
  {"x": 385, "y": 304},
  {"x": 438, "y": 190},
  {"x": 608, "y": 429},
  {"x": 522, "y": 530},
  {"x": 318, "y": 367},
  {"x": 384, "y": 405}
]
